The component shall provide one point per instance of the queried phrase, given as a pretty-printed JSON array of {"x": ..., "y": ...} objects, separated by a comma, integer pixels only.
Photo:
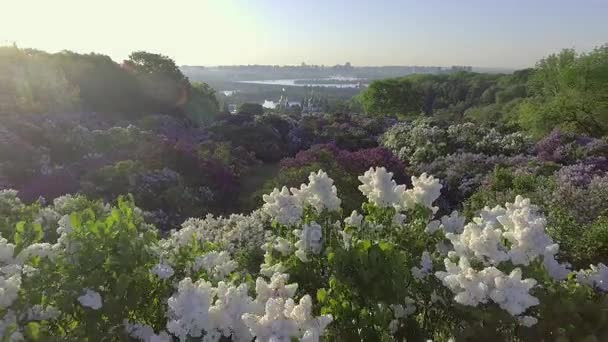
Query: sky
[{"x": 482, "y": 33}]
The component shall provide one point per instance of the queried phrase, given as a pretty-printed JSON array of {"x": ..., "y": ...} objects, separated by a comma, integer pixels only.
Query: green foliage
[
  {"x": 447, "y": 96},
  {"x": 202, "y": 106},
  {"x": 251, "y": 109},
  {"x": 391, "y": 97},
  {"x": 31, "y": 83},
  {"x": 569, "y": 91}
]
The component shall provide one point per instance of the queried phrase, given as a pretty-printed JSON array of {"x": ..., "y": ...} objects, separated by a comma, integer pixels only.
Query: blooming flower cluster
[
  {"x": 309, "y": 240},
  {"x": 380, "y": 189},
  {"x": 230, "y": 233},
  {"x": 515, "y": 234},
  {"x": 91, "y": 299},
  {"x": 287, "y": 206},
  {"x": 198, "y": 309},
  {"x": 596, "y": 276},
  {"x": 218, "y": 265}
]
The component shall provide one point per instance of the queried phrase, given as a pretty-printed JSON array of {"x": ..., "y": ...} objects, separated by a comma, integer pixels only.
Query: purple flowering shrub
[
  {"x": 567, "y": 148},
  {"x": 460, "y": 174},
  {"x": 162, "y": 192},
  {"x": 163, "y": 166}
]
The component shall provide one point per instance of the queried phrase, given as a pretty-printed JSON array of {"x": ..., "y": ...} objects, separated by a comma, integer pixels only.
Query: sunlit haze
[{"x": 479, "y": 33}]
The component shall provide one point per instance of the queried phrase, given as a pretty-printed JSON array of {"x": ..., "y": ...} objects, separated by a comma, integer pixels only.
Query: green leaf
[
  {"x": 19, "y": 232},
  {"x": 321, "y": 295},
  {"x": 32, "y": 331}
]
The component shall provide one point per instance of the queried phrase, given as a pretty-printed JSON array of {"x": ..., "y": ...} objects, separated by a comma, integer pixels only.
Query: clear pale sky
[{"x": 486, "y": 33}]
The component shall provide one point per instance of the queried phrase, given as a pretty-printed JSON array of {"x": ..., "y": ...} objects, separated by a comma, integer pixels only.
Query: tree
[
  {"x": 104, "y": 86},
  {"x": 570, "y": 91},
  {"x": 251, "y": 108},
  {"x": 31, "y": 83},
  {"x": 391, "y": 96},
  {"x": 163, "y": 84},
  {"x": 202, "y": 106}
]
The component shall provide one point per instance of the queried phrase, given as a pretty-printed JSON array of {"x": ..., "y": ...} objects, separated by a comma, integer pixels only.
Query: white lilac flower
[
  {"x": 426, "y": 266},
  {"x": 309, "y": 240},
  {"x": 426, "y": 189},
  {"x": 527, "y": 321},
  {"x": 42, "y": 250},
  {"x": 7, "y": 251},
  {"x": 380, "y": 188},
  {"x": 449, "y": 224},
  {"x": 398, "y": 218},
  {"x": 596, "y": 276},
  {"x": 283, "y": 320},
  {"x": 320, "y": 193},
  {"x": 226, "y": 312},
  {"x": 473, "y": 287},
  {"x": 143, "y": 332},
  {"x": 268, "y": 267},
  {"x": 229, "y": 233},
  {"x": 521, "y": 226},
  {"x": 218, "y": 265},
  {"x": 40, "y": 313},
  {"x": 277, "y": 287},
  {"x": 525, "y": 230},
  {"x": 9, "y": 290},
  {"x": 282, "y": 245},
  {"x": 283, "y": 207},
  {"x": 481, "y": 241},
  {"x": 556, "y": 270},
  {"x": 273, "y": 325},
  {"x": 91, "y": 299},
  {"x": 161, "y": 337},
  {"x": 313, "y": 327},
  {"x": 346, "y": 239},
  {"x": 511, "y": 293},
  {"x": 189, "y": 309},
  {"x": 400, "y": 312},
  {"x": 163, "y": 270},
  {"x": 47, "y": 218},
  {"x": 354, "y": 220}
]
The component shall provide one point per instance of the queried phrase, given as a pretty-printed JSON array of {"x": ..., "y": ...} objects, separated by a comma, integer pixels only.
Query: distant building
[
  {"x": 312, "y": 104},
  {"x": 285, "y": 105}
]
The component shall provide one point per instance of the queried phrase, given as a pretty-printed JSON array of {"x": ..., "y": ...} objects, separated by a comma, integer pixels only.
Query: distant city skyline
[{"x": 480, "y": 33}]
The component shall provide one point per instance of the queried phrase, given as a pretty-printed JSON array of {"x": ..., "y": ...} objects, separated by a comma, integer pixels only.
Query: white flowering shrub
[{"x": 299, "y": 268}]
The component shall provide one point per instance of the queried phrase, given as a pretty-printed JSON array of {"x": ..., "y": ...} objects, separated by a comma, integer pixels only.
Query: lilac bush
[
  {"x": 422, "y": 141},
  {"x": 566, "y": 147}
]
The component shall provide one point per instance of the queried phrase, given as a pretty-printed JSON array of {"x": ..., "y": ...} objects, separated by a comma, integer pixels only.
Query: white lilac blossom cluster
[
  {"x": 473, "y": 287},
  {"x": 399, "y": 313},
  {"x": 229, "y": 233},
  {"x": 426, "y": 266},
  {"x": 217, "y": 265},
  {"x": 309, "y": 240},
  {"x": 163, "y": 270},
  {"x": 596, "y": 276},
  {"x": 516, "y": 234},
  {"x": 381, "y": 190},
  {"x": 91, "y": 299},
  {"x": 287, "y": 206},
  {"x": 198, "y": 309},
  {"x": 13, "y": 269}
]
